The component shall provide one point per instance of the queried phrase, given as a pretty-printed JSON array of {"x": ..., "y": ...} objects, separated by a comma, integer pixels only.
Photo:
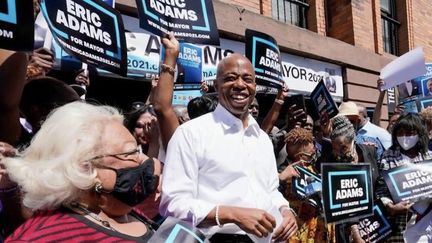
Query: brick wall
[
  {"x": 422, "y": 26},
  {"x": 363, "y": 24},
  {"x": 340, "y": 25},
  {"x": 250, "y": 5},
  {"x": 317, "y": 17}
]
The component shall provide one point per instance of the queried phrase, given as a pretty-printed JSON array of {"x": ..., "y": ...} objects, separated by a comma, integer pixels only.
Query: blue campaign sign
[
  {"x": 16, "y": 25},
  {"x": 88, "y": 30},
  {"x": 143, "y": 56},
  {"x": 189, "y": 64},
  {"x": 375, "y": 228},
  {"x": 323, "y": 101},
  {"x": 411, "y": 182},
  {"x": 347, "y": 191},
  {"x": 263, "y": 52},
  {"x": 306, "y": 177},
  {"x": 110, "y": 2},
  {"x": 177, "y": 231},
  {"x": 190, "y": 21}
]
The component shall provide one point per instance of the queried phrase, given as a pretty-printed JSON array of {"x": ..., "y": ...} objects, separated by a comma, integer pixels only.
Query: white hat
[{"x": 348, "y": 108}]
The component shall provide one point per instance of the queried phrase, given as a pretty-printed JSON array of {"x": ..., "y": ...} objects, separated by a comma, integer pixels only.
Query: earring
[{"x": 98, "y": 188}]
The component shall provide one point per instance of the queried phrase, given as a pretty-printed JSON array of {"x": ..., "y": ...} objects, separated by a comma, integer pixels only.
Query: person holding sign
[
  {"x": 345, "y": 150},
  {"x": 220, "y": 170},
  {"x": 301, "y": 154},
  {"x": 410, "y": 145}
]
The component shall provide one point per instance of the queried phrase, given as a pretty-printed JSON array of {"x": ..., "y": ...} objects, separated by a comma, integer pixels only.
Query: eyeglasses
[
  {"x": 130, "y": 155},
  {"x": 307, "y": 157}
]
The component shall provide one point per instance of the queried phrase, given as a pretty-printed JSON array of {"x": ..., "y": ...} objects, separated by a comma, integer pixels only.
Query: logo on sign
[
  {"x": 177, "y": 10},
  {"x": 10, "y": 15},
  {"x": 269, "y": 60},
  {"x": 348, "y": 189}
]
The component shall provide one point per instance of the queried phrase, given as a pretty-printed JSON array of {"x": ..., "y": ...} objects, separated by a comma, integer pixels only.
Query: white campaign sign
[{"x": 303, "y": 74}]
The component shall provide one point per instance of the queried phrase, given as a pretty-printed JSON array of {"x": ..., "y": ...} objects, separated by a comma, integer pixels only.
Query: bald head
[
  {"x": 235, "y": 84},
  {"x": 235, "y": 57},
  {"x": 363, "y": 114}
]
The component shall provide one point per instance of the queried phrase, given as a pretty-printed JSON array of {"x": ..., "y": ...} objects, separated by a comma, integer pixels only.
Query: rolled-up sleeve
[{"x": 180, "y": 181}]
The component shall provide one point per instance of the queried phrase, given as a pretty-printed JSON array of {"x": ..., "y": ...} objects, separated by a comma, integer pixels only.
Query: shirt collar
[{"x": 229, "y": 121}]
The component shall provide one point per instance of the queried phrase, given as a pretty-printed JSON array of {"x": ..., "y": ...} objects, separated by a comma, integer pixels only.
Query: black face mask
[
  {"x": 348, "y": 157},
  {"x": 135, "y": 184}
]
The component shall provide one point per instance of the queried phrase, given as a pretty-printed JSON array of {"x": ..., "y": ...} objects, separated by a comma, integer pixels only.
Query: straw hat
[{"x": 348, "y": 108}]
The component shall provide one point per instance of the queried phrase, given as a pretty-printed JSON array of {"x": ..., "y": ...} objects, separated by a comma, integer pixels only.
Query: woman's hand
[{"x": 399, "y": 208}]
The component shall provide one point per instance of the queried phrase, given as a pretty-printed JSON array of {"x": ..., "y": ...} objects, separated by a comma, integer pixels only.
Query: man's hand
[
  {"x": 399, "y": 208},
  {"x": 251, "y": 220},
  {"x": 287, "y": 228}
]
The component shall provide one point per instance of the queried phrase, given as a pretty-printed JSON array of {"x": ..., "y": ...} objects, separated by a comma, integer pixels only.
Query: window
[
  {"x": 389, "y": 26},
  {"x": 290, "y": 11}
]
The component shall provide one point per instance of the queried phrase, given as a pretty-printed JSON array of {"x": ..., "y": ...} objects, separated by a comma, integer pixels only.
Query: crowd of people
[{"x": 75, "y": 171}]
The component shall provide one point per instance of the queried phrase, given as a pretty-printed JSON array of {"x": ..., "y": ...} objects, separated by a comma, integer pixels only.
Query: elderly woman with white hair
[{"x": 81, "y": 176}]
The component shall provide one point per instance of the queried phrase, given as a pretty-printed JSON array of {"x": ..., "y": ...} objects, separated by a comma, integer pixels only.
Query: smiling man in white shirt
[{"x": 220, "y": 171}]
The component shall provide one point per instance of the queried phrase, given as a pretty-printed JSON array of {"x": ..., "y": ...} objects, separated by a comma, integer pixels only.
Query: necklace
[{"x": 93, "y": 215}]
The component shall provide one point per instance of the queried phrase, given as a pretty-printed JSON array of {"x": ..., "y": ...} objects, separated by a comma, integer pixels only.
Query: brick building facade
[{"x": 348, "y": 33}]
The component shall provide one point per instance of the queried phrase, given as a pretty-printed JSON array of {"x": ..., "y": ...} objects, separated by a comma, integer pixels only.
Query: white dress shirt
[{"x": 212, "y": 160}]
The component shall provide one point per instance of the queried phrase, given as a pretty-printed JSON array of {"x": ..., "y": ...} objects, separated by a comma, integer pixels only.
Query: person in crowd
[
  {"x": 350, "y": 110},
  {"x": 214, "y": 157},
  {"x": 254, "y": 109},
  {"x": 81, "y": 176},
  {"x": 345, "y": 149},
  {"x": 301, "y": 152},
  {"x": 143, "y": 125},
  {"x": 410, "y": 146},
  {"x": 426, "y": 114},
  {"x": 181, "y": 113},
  {"x": 199, "y": 106},
  {"x": 392, "y": 120},
  {"x": 13, "y": 68},
  {"x": 366, "y": 128}
]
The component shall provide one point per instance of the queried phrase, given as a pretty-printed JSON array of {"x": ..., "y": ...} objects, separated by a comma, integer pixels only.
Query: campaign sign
[
  {"x": 211, "y": 58},
  {"x": 189, "y": 64},
  {"x": 377, "y": 227},
  {"x": 110, "y": 2},
  {"x": 347, "y": 191},
  {"x": 424, "y": 102},
  {"x": 299, "y": 183},
  {"x": 411, "y": 182},
  {"x": 263, "y": 51},
  {"x": 16, "y": 25},
  {"x": 174, "y": 230},
  {"x": 88, "y": 30},
  {"x": 190, "y": 21},
  {"x": 323, "y": 101},
  {"x": 182, "y": 97}
]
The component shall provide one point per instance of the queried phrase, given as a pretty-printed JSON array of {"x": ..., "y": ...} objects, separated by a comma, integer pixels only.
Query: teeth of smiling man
[{"x": 239, "y": 97}]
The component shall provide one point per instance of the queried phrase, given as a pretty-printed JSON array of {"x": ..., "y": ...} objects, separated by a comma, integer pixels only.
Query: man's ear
[{"x": 215, "y": 85}]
